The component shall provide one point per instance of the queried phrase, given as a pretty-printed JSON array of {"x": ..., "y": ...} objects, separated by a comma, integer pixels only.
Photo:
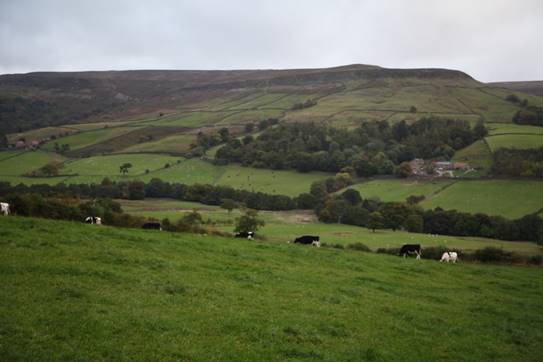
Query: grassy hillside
[{"x": 80, "y": 292}]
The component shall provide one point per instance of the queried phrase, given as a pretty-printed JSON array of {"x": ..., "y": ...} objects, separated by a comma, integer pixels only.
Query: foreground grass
[{"x": 80, "y": 292}]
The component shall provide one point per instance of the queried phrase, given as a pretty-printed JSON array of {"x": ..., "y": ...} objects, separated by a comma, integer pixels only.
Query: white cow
[
  {"x": 449, "y": 256},
  {"x": 4, "y": 208}
]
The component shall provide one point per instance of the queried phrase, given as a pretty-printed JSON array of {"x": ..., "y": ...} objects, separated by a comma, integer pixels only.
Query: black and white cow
[
  {"x": 152, "y": 226},
  {"x": 93, "y": 220},
  {"x": 408, "y": 249},
  {"x": 308, "y": 239},
  {"x": 4, "y": 208},
  {"x": 245, "y": 234}
]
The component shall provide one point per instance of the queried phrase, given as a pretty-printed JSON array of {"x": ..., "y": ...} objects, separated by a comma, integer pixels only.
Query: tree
[
  {"x": 51, "y": 169},
  {"x": 124, "y": 167},
  {"x": 414, "y": 223},
  {"x": 249, "y": 221},
  {"x": 352, "y": 196},
  {"x": 228, "y": 204},
  {"x": 376, "y": 221},
  {"x": 413, "y": 109}
]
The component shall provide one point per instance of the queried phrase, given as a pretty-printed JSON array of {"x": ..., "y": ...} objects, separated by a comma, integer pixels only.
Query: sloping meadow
[{"x": 83, "y": 292}]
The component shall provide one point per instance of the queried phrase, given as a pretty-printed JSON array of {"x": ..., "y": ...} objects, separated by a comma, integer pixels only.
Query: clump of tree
[
  {"x": 371, "y": 149},
  {"x": 302, "y": 105},
  {"x": 125, "y": 167},
  {"x": 49, "y": 170},
  {"x": 249, "y": 221},
  {"x": 529, "y": 115}
]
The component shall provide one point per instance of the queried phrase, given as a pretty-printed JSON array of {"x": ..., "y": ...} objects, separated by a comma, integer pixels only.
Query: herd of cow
[{"x": 405, "y": 250}]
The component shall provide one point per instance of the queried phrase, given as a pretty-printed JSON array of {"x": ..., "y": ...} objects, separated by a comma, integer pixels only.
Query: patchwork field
[
  {"x": 79, "y": 292},
  {"x": 88, "y": 138}
]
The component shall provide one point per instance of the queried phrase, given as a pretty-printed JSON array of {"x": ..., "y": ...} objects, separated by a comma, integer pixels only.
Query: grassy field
[
  {"x": 511, "y": 199},
  {"x": 282, "y": 226},
  {"x": 514, "y": 141},
  {"x": 88, "y": 138},
  {"x": 109, "y": 165},
  {"x": 398, "y": 189},
  {"x": 511, "y": 128},
  {"x": 24, "y": 162},
  {"x": 40, "y": 133},
  {"x": 79, "y": 292}
]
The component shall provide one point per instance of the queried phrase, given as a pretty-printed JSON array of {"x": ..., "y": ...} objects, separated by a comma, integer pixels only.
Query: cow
[
  {"x": 93, "y": 220},
  {"x": 307, "y": 239},
  {"x": 449, "y": 256},
  {"x": 245, "y": 234},
  {"x": 152, "y": 226},
  {"x": 408, "y": 249},
  {"x": 4, "y": 208}
]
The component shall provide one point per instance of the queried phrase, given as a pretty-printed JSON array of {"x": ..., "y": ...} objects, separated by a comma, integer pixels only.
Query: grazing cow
[
  {"x": 93, "y": 220},
  {"x": 308, "y": 239},
  {"x": 245, "y": 234},
  {"x": 408, "y": 249},
  {"x": 449, "y": 256},
  {"x": 152, "y": 226},
  {"x": 4, "y": 208}
]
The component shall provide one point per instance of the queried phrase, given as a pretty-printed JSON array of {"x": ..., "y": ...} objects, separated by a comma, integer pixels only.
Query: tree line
[
  {"x": 350, "y": 208},
  {"x": 373, "y": 148}
]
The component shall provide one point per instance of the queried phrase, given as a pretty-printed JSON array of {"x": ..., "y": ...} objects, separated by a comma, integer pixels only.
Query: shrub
[
  {"x": 359, "y": 247},
  {"x": 491, "y": 254}
]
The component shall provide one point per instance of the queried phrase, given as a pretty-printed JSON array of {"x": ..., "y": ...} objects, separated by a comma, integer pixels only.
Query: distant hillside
[
  {"x": 532, "y": 87},
  {"x": 35, "y": 100}
]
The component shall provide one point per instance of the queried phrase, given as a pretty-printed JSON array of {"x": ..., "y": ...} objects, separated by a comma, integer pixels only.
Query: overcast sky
[{"x": 492, "y": 40}]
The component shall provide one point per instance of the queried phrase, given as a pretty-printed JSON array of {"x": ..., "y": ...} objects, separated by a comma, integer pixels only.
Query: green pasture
[
  {"x": 289, "y": 183},
  {"x": 508, "y": 198},
  {"x": 512, "y": 128},
  {"x": 399, "y": 189},
  {"x": 87, "y": 138},
  {"x": 76, "y": 292},
  {"x": 25, "y": 162},
  {"x": 109, "y": 165},
  {"x": 520, "y": 141}
]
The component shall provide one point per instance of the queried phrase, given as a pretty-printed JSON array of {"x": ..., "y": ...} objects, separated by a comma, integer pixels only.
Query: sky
[{"x": 492, "y": 40}]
